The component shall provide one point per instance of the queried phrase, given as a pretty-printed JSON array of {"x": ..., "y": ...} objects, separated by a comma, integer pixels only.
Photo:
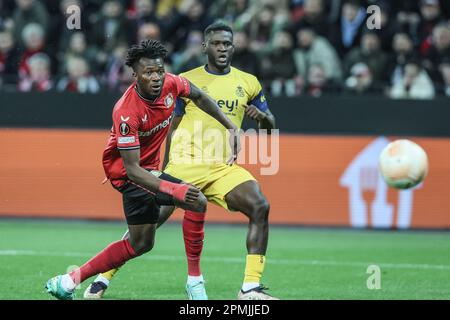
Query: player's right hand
[{"x": 191, "y": 194}]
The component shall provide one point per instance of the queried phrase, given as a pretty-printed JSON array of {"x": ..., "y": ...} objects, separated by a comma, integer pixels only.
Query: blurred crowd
[{"x": 294, "y": 47}]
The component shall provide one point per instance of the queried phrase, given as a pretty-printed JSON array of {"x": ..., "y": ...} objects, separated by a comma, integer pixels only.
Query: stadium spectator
[
  {"x": 6, "y": 9},
  {"x": 370, "y": 54},
  {"x": 431, "y": 16},
  {"x": 165, "y": 9},
  {"x": 276, "y": 68},
  {"x": 59, "y": 36},
  {"x": 415, "y": 83},
  {"x": 33, "y": 38},
  {"x": 191, "y": 16},
  {"x": 145, "y": 14},
  {"x": 243, "y": 58},
  {"x": 407, "y": 16},
  {"x": 444, "y": 69},
  {"x": 78, "y": 78},
  {"x": 439, "y": 50},
  {"x": 228, "y": 10},
  {"x": 78, "y": 47},
  {"x": 118, "y": 77},
  {"x": 360, "y": 80},
  {"x": 261, "y": 26},
  {"x": 8, "y": 58},
  {"x": 388, "y": 26},
  {"x": 403, "y": 51},
  {"x": 29, "y": 11},
  {"x": 412, "y": 27},
  {"x": 39, "y": 77},
  {"x": 313, "y": 49},
  {"x": 110, "y": 29},
  {"x": 191, "y": 56},
  {"x": 347, "y": 32},
  {"x": 317, "y": 83},
  {"x": 148, "y": 31},
  {"x": 313, "y": 17}
]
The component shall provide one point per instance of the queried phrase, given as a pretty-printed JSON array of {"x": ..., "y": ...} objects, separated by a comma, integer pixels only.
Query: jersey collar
[
  {"x": 145, "y": 99},
  {"x": 215, "y": 73}
]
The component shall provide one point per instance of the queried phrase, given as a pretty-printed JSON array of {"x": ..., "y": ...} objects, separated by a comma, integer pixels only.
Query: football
[{"x": 403, "y": 164}]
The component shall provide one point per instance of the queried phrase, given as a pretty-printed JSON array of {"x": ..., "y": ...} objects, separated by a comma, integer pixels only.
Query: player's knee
[
  {"x": 142, "y": 246},
  {"x": 200, "y": 204}
]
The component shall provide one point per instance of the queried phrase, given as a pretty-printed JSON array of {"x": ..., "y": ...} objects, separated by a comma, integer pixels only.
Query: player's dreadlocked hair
[{"x": 151, "y": 49}]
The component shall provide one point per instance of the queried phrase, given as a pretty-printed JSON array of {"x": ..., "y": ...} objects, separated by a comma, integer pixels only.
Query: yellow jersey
[{"x": 199, "y": 137}]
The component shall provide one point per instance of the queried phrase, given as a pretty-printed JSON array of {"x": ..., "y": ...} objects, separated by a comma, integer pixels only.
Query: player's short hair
[
  {"x": 151, "y": 49},
  {"x": 217, "y": 26}
]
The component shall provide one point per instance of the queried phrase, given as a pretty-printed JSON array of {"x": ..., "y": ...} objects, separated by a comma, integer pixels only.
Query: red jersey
[{"x": 139, "y": 123}]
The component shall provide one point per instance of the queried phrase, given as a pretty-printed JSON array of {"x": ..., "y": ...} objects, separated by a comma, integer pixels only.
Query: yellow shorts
[{"x": 214, "y": 180}]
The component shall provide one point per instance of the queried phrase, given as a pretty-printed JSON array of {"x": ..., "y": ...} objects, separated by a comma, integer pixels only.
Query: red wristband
[{"x": 178, "y": 191}]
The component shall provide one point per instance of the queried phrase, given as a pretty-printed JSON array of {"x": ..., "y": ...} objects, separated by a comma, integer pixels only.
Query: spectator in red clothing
[
  {"x": 431, "y": 16},
  {"x": 39, "y": 77},
  {"x": 78, "y": 78},
  {"x": 33, "y": 37}
]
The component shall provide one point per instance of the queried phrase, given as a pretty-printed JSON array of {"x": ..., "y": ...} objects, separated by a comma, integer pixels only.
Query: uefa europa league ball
[{"x": 403, "y": 164}]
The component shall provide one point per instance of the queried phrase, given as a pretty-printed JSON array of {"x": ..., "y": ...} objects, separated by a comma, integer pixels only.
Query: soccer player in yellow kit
[{"x": 197, "y": 158}]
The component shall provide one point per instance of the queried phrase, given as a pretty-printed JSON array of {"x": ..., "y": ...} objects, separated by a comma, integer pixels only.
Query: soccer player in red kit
[{"x": 141, "y": 121}]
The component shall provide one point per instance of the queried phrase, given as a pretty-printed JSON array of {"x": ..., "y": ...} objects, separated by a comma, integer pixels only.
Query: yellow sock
[
  {"x": 110, "y": 274},
  {"x": 254, "y": 268}
]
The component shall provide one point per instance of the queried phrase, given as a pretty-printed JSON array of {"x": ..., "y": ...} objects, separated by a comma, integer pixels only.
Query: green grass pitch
[{"x": 301, "y": 263}]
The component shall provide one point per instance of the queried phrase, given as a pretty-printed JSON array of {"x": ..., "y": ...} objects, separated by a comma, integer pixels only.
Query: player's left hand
[
  {"x": 235, "y": 144},
  {"x": 254, "y": 113}
]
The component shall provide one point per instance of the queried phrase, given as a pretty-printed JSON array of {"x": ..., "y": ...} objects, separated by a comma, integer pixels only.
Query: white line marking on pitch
[{"x": 237, "y": 260}]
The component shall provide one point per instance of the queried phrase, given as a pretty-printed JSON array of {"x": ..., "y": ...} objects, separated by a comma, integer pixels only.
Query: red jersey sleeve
[
  {"x": 126, "y": 128},
  {"x": 182, "y": 86}
]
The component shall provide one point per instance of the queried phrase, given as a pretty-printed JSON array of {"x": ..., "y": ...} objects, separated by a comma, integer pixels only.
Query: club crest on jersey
[
  {"x": 240, "y": 92},
  {"x": 168, "y": 100},
  {"x": 124, "y": 128}
]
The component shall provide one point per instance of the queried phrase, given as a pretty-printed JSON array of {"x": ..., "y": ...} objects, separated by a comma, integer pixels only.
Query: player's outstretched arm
[
  {"x": 209, "y": 105},
  {"x": 173, "y": 126},
  {"x": 137, "y": 174}
]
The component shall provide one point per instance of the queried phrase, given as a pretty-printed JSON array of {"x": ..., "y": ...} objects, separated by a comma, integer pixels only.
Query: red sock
[
  {"x": 112, "y": 257},
  {"x": 193, "y": 234}
]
